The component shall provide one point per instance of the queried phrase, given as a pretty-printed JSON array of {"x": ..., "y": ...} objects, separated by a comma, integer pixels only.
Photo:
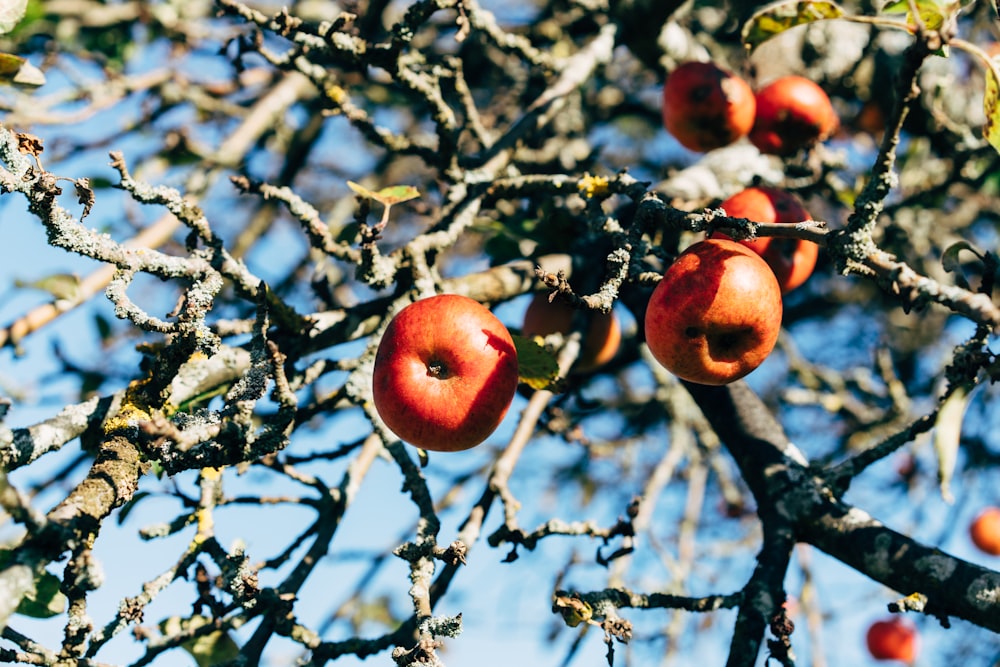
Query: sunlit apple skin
[
  {"x": 985, "y": 531},
  {"x": 603, "y": 334},
  {"x": 792, "y": 113},
  {"x": 706, "y": 107},
  {"x": 445, "y": 373},
  {"x": 893, "y": 639},
  {"x": 715, "y": 315},
  {"x": 792, "y": 260}
]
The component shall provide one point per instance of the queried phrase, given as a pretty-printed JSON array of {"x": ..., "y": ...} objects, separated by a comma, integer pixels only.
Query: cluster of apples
[
  {"x": 717, "y": 312},
  {"x": 707, "y": 107},
  {"x": 446, "y": 368}
]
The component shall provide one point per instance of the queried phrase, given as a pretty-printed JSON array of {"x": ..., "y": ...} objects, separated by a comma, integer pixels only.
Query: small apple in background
[
  {"x": 792, "y": 260},
  {"x": 706, "y": 107},
  {"x": 985, "y": 531},
  {"x": 600, "y": 342},
  {"x": 893, "y": 639},
  {"x": 716, "y": 314},
  {"x": 445, "y": 373},
  {"x": 792, "y": 113}
]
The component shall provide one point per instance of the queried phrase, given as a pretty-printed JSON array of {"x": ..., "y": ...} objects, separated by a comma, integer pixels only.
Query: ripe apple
[
  {"x": 792, "y": 260},
  {"x": 893, "y": 639},
  {"x": 792, "y": 113},
  {"x": 706, "y": 107},
  {"x": 445, "y": 373},
  {"x": 603, "y": 332},
  {"x": 985, "y": 531},
  {"x": 716, "y": 314}
]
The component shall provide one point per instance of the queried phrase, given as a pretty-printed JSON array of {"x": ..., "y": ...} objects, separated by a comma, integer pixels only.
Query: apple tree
[{"x": 213, "y": 210}]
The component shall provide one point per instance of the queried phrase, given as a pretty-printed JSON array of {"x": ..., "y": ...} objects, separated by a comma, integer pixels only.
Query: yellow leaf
[
  {"x": 991, "y": 106},
  {"x": 933, "y": 13},
  {"x": 776, "y": 18},
  {"x": 573, "y": 610},
  {"x": 389, "y": 196},
  {"x": 396, "y": 194}
]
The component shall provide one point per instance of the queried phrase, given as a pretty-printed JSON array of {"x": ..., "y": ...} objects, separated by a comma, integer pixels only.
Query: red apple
[
  {"x": 985, "y": 531},
  {"x": 603, "y": 332},
  {"x": 792, "y": 260},
  {"x": 716, "y": 314},
  {"x": 445, "y": 373},
  {"x": 706, "y": 107},
  {"x": 792, "y": 113},
  {"x": 893, "y": 639}
]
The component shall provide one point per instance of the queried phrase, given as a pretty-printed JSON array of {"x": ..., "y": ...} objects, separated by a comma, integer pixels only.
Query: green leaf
[
  {"x": 104, "y": 328},
  {"x": 18, "y": 71},
  {"x": 947, "y": 435},
  {"x": 11, "y": 13},
  {"x": 949, "y": 258},
  {"x": 349, "y": 232},
  {"x": 951, "y": 262},
  {"x": 933, "y": 13},
  {"x": 59, "y": 285},
  {"x": 781, "y": 16},
  {"x": 389, "y": 196},
  {"x": 536, "y": 366},
  {"x": 130, "y": 505},
  {"x": 47, "y": 600},
  {"x": 214, "y": 648}
]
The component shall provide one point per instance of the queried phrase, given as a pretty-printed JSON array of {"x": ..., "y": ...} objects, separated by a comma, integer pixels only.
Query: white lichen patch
[
  {"x": 984, "y": 592},
  {"x": 938, "y": 566}
]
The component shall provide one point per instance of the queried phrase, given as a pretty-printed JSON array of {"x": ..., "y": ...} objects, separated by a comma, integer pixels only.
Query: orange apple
[
  {"x": 716, "y": 314},
  {"x": 985, "y": 531},
  {"x": 445, "y": 373},
  {"x": 603, "y": 332},
  {"x": 792, "y": 113},
  {"x": 706, "y": 107},
  {"x": 792, "y": 260},
  {"x": 893, "y": 639}
]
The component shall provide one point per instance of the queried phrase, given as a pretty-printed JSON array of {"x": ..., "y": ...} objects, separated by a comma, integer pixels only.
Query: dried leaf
[
  {"x": 11, "y": 13},
  {"x": 85, "y": 195},
  {"x": 29, "y": 144},
  {"x": 947, "y": 435},
  {"x": 18, "y": 71}
]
